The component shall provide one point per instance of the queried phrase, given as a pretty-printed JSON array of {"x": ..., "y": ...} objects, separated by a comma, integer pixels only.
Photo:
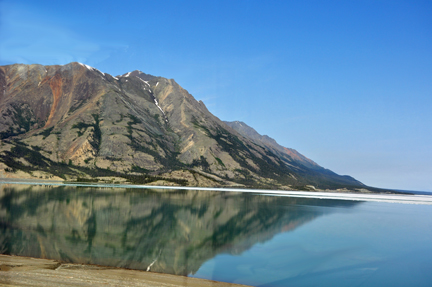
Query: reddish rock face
[
  {"x": 137, "y": 123},
  {"x": 56, "y": 88}
]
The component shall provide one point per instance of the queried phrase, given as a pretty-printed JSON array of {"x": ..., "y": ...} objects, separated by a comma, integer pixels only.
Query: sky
[{"x": 346, "y": 83}]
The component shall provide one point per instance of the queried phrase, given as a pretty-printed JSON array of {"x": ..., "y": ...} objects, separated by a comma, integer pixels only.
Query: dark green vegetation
[
  {"x": 143, "y": 179},
  {"x": 38, "y": 162},
  {"x": 138, "y": 127},
  {"x": 96, "y": 135},
  {"x": 169, "y": 161},
  {"x": 269, "y": 166},
  {"x": 23, "y": 118},
  {"x": 45, "y": 133}
]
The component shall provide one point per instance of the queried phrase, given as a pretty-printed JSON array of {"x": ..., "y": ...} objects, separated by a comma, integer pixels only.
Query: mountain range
[{"x": 74, "y": 122}]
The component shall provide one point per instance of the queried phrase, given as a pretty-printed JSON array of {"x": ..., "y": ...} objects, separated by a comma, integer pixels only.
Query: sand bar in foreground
[{"x": 26, "y": 271}]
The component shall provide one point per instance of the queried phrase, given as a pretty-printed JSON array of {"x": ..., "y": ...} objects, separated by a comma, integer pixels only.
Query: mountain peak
[
  {"x": 90, "y": 68},
  {"x": 135, "y": 125},
  {"x": 134, "y": 73},
  {"x": 85, "y": 65}
]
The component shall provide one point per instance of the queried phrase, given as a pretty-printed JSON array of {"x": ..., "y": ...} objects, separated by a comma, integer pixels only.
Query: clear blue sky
[{"x": 346, "y": 83}]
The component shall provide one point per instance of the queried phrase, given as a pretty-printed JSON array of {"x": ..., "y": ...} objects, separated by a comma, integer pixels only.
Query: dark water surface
[{"x": 225, "y": 236}]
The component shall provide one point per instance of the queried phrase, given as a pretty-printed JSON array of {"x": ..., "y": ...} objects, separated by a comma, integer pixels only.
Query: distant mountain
[
  {"x": 291, "y": 156},
  {"x": 74, "y": 121}
]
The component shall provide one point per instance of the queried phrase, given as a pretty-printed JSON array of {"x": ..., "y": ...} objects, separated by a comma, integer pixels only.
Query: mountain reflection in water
[{"x": 171, "y": 232}]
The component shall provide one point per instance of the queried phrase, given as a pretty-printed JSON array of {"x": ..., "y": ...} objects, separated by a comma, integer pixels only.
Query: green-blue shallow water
[{"x": 243, "y": 238}]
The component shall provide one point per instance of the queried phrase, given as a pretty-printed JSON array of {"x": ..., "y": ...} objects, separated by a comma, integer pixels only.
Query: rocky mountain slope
[
  {"x": 74, "y": 121},
  {"x": 291, "y": 157}
]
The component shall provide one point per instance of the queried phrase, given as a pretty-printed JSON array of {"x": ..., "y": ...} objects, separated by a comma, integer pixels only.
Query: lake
[{"x": 248, "y": 238}]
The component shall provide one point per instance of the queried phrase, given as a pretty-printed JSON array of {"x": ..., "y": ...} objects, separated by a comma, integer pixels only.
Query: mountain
[
  {"x": 291, "y": 157},
  {"x": 74, "y": 121},
  {"x": 287, "y": 154}
]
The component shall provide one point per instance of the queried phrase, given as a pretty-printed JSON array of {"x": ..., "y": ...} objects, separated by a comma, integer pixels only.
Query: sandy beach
[{"x": 26, "y": 271}]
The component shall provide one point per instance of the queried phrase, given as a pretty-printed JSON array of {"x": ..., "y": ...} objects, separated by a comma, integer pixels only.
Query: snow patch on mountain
[
  {"x": 157, "y": 104},
  {"x": 91, "y": 68},
  {"x": 146, "y": 82}
]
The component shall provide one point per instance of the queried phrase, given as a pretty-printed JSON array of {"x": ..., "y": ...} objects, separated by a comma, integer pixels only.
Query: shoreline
[
  {"x": 376, "y": 197},
  {"x": 28, "y": 271}
]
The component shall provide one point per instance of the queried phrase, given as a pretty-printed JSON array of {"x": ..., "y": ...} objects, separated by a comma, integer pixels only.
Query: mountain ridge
[{"x": 92, "y": 124}]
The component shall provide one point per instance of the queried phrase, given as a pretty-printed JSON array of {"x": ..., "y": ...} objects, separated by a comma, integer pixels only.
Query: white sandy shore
[{"x": 396, "y": 198}]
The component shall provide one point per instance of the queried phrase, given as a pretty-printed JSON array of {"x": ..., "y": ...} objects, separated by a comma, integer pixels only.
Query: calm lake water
[{"x": 252, "y": 239}]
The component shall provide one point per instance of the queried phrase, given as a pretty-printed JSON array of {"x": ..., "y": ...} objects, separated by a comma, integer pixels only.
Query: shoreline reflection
[{"x": 170, "y": 232}]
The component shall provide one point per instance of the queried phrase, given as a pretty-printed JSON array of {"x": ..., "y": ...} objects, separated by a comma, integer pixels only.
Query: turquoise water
[
  {"x": 371, "y": 244},
  {"x": 242, "y": 238}
]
